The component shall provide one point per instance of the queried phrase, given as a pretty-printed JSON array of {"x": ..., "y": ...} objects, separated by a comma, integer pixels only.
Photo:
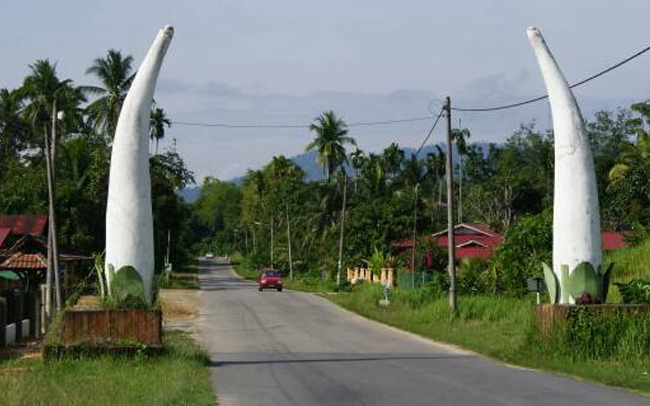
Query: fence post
[{"x": 3, "y": 322}]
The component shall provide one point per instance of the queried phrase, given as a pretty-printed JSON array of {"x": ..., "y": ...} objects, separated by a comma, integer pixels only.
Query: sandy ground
[{"x": 179, "y": 305}]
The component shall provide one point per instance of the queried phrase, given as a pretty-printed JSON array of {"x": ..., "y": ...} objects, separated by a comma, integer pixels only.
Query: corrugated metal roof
[
  {"x": 24, "y": 223},
  {"x": 25, "y": 261}
]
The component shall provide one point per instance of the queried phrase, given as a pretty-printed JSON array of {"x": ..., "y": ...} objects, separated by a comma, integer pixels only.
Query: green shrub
[
  {"x": 470, "y": 276},
  {"x": 524, "y": 248},
  {"x": 637, "y": 291}
]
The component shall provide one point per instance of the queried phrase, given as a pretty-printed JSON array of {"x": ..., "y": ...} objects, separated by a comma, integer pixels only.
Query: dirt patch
[
  {"x": 179, "y": 305},
  {"x": 87, "y": 303}
]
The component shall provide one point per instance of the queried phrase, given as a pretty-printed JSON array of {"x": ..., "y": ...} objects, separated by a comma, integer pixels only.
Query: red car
[{"x": 270, "y": 278}]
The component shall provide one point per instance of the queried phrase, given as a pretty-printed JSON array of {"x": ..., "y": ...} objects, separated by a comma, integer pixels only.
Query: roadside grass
[
  {"x": 179, "y": 376},
  {"x": 629, "y": 263},
  {"x": 307, "y": 284},
  {"x": 304, "y": 283},
  {"x": 245, "y": 270},
  {"x": 498, "y": 327},
  {"x": 179, "y": 281}
]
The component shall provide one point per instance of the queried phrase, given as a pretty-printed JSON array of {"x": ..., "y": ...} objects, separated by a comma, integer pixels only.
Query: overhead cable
[
  {"x": 430, "y": 132},
  {"x": 536, "y": 99},
  {"x": 357, "y": 124}
]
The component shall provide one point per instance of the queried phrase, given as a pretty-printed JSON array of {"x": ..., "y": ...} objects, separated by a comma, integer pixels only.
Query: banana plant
[{"x": 570, "y": 286}]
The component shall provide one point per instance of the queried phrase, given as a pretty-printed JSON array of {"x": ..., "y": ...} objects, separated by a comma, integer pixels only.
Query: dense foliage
[
  {"x": 390, "y": 197},
  {"x": 85, "y": 120}
]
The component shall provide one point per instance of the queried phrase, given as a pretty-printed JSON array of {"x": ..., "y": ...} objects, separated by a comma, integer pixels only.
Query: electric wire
[
  {"x": 435, "y": 123},
  {"x": 536, "y": 99},
  {"x": 357, "y": 124},
  {"x": 415, "y": 119}
]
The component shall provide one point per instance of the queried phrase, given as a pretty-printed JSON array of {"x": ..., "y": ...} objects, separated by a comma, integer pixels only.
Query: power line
[
  {"x": 430, "y": 132},
  {"x": 357, "y": 124},
  {"x": 536, "y": 99},
  {"x": 415, "y": 119}
]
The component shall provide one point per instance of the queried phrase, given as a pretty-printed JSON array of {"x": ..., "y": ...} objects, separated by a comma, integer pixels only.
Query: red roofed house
[
  {"x": 473, "y": 240},
  {"x": 478, "y": 241},
  {"x": 15, "y": 226},
  {"x": 23, "y": 249}
]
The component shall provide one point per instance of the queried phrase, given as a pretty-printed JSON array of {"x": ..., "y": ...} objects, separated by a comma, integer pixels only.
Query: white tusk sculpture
[
  {"x": 129, "y": 219},
  {"x": 576, "y": 215}
]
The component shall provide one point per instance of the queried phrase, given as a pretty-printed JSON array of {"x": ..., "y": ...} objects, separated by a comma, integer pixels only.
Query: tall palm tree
[
  {"x": 331, "y": 137},
  {"x": 115, "y": 75},
  {"x": 460, "y": 135},
  {"x": 436, "y": 166},
  {"x": 393, "y": 158},
  {"x": 45, "y": 96},
  {"x": 157, "y": 127},
  {"x": 413, "y": 176},
  {"x": 357, "y": 161}
]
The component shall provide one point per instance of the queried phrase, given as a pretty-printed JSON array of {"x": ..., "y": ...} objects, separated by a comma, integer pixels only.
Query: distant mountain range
[{"x": 313, "y": 172}]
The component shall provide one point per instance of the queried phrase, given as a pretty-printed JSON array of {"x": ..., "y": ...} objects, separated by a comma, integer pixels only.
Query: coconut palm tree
[
  {"x": 331, "y": 137},
  {"x": 157, "y": 127},
  {"x": 44, "y": 97},
  {"x": 436, "y": 166},
  {"x": 114, "y": 72},
  {"x": 413, "y": 176},
  {"x": 393, "y": 159},
  {"x": 460, "y": 135}
]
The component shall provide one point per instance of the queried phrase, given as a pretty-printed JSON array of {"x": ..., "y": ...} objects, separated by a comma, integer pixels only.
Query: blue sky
[{"x": 286, "y": 61}]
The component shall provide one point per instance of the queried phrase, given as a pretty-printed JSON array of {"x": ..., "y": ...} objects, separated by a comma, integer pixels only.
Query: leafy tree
[
  {"x": 13, "y": 132},
  {"x": 522, "y": 252}
]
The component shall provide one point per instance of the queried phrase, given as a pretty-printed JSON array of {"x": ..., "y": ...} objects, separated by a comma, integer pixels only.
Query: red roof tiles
[{"x": 25, "y": 261}]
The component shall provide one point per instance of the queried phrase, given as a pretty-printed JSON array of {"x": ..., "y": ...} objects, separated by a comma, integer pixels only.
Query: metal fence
[{"x": 406, "y": 279}]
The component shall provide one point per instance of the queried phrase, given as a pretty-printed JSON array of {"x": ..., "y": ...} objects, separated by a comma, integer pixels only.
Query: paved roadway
[{"x": 294, "y": 348}]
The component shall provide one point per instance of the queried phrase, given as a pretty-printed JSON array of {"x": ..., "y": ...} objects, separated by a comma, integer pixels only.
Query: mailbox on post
[{"x": 536, "y": 285}]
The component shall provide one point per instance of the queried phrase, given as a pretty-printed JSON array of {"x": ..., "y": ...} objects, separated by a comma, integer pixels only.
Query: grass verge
[
  {"x": 179, "y": 376},
  {"x": 498, "y": 327}
]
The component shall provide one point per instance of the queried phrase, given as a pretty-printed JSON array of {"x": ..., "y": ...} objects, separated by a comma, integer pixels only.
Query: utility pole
[
  {"x": 460, "y": 173},
  {"x": 254, "y": 240},
  {"x": 246, "y": 235},
  {"x": 450, "y": 213},
  {"x": 289, "y": 240},
  {"x": 271, "y": 242},
  {"x": 169, "y": 243},
  {"x": 415, "y": 219},
  {"x": 340, "y": 263},
  {"x": 51, "y": 152},
  {"x": 50, "y": 270}
]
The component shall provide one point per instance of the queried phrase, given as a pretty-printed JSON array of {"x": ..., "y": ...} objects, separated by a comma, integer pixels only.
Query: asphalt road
[{"x": 294, "y": 348}]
